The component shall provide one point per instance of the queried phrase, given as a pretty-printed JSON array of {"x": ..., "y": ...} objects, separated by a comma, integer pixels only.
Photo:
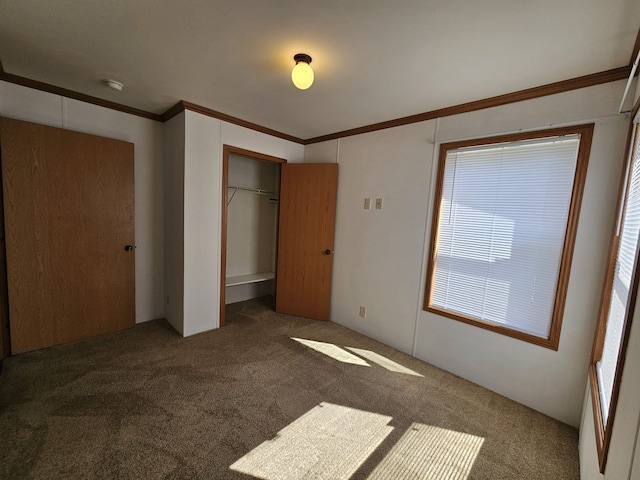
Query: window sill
[{"x": 550, "y": 343}]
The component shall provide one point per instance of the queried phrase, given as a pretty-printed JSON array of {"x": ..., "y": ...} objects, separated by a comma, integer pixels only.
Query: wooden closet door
[
  {"x": 69, "y": 215},
  {"x": 305, "y": 239},
  {"x": 5, "y": 346}
]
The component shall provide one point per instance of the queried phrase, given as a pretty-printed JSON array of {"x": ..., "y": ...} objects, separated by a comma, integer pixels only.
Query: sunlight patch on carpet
[
  {"x": 383, "y": 361},
  {"x": 332, "y": 351},
  {"x": 329, "y": 442},
  {"x": 426, "y": 452}
]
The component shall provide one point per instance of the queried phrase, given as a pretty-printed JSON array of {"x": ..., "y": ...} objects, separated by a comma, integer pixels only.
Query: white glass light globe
[{"x": 302, "y": 75}]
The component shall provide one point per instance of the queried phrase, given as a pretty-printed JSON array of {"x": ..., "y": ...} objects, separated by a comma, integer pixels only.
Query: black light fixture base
[{"x": 302, "y": 57}]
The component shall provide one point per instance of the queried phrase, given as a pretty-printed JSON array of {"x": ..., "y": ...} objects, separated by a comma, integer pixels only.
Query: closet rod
[{"x": 252, "y": 190}]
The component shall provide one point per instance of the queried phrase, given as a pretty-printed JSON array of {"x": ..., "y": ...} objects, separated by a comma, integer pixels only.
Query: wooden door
[
  {"x": 5, "y": 346},
  {"x": 305, "y": 239},
  {"x": 69, "y": 217}
]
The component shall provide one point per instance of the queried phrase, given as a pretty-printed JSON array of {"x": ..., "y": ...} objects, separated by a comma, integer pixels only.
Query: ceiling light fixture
[
  {"x": 302, "y": 73},
  {"x": 114, "y": 85}
]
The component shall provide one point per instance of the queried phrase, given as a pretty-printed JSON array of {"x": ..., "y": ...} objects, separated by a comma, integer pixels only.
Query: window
[
  {"x": 503, "y": 231},
  {"x": 617, "y": 305}
]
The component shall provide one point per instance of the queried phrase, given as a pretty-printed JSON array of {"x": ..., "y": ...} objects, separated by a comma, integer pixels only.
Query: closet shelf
[{"x": 251, "y": 278}]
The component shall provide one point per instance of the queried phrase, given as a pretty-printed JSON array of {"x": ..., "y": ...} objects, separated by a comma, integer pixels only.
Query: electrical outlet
[
  {"x": 378, "y": 204},
  {"x": 363, "y": 311},
  {"x": 367, "y": 204}
]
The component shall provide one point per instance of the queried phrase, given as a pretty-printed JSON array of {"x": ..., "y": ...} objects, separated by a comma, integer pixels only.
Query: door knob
[
  {"x": 327, "y": 252},
  {"x": 128, "y": 248}
]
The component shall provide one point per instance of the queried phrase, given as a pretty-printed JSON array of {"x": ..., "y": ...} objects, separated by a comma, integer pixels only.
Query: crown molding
[
  {"x": 64, "y": 92},
  {"x": 184, "y": 105},
  {"x": 612, "y": 75}
]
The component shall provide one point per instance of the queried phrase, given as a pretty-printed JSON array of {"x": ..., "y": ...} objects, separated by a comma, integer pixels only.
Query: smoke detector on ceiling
[{"x": 114, "y": 84}]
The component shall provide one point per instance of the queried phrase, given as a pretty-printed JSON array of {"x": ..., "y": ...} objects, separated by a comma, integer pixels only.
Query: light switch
[
  {"x": 378, "y": 204},
  {"x": 367, "y": 204}
]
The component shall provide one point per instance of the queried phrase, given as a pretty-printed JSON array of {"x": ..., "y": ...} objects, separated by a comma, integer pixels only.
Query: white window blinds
[
  {"x": 621, "y": 286},
  {"x": 501, "y": 229}
]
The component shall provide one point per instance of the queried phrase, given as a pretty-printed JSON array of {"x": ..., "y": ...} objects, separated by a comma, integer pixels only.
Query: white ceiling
[{"x": 374, "y": 60}]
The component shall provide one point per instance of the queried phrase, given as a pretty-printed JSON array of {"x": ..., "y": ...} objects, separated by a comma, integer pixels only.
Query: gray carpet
[{"x": 146, "y": 403}]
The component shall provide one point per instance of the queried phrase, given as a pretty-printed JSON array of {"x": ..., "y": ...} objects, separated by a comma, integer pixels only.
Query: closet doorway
[{"x": 250, "y": 196}]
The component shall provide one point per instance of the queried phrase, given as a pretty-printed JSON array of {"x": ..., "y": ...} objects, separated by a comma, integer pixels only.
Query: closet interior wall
[{"x": 252, "y": 225}]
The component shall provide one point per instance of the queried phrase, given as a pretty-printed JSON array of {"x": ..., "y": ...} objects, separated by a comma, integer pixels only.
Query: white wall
[
  {"x": 380, "y": 257},
  {"x": 240, "y": 293},
  {"x": 378, "y": 253},
  {"x": 174, "y": 221},
  {"x": 324, "y": 152},
  {"x": 45, "y": 108},
  {"x": 202, "y": 186},
  {"x": 202, "y": 183},
  {"x": 242, "y": 137}
]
